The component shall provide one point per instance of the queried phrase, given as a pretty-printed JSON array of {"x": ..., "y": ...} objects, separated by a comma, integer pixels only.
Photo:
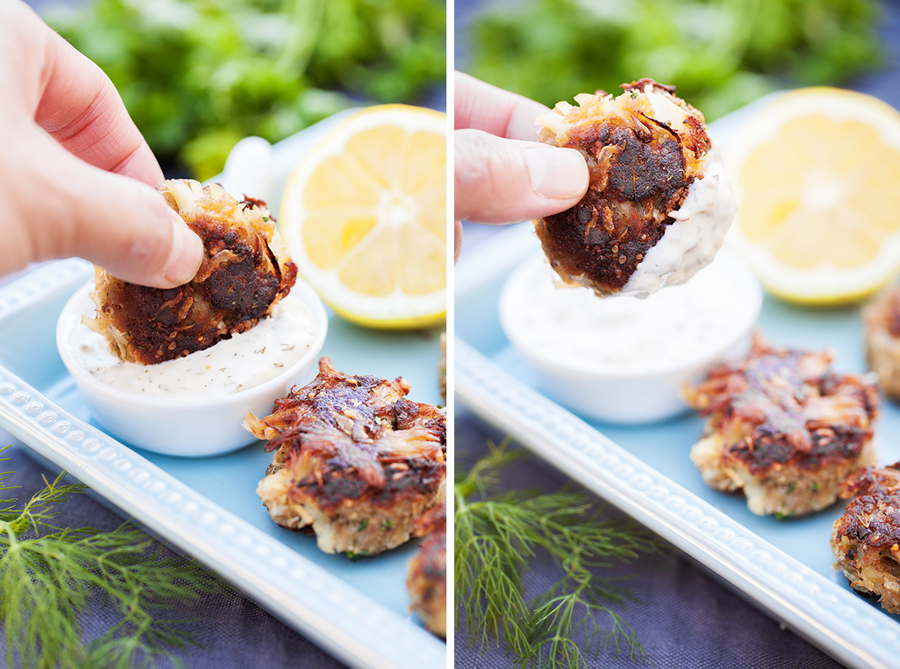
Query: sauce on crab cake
[
  {"x": 244, "y": 272},
  {"x": 231, "y": 365},
  {"x": 659, "y": 202}
]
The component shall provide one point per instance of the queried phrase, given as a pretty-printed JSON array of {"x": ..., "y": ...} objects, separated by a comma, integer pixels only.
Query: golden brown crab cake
[
  {"x": 354, "y": 460},
  {"x": 426, "y": 578},
  {"x": 881, "y": 319},
  {"x": 244, "y": 272},
  {"x": 783, "y": 428},
  {"x": 866, "y": 538},
  {"x": 658, "y": 204}
]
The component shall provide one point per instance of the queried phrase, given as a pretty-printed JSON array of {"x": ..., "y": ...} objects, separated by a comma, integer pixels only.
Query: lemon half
[
  {"x": 364, "y": 217},
  {"x": 817, "y": 175}
]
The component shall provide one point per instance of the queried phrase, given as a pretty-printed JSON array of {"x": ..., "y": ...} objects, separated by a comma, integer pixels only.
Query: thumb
[
  {"x": 503, "y": 181},
  {"x": 114, "y": 221}
]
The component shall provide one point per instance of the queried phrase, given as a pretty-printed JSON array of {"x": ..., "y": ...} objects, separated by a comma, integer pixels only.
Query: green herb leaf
[
  {"x": 721, "y": 54},
  {"x": 197, "y": 76},
  {"x": 498, "y": 536},
  {"x": 49, "y": 575}
]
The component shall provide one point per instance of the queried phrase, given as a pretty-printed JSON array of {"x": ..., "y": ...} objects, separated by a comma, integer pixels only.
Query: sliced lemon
[
  {"x": 817, "y": 175},
  {"x": 364, "y": 217}
]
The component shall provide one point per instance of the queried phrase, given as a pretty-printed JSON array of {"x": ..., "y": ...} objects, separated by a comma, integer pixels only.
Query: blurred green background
[
  {"x": 721, "y": 54},
  {"x": 199, "y": 75}
]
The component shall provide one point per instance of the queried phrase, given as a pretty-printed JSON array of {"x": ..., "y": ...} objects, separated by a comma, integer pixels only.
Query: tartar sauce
[
  {"x": 696, "y": 235},
  {"x": 573, "y": 327},
  {"x": 246, "y": 360}
]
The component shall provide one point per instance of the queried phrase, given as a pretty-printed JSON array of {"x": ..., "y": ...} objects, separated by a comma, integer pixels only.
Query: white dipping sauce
[
  {"x": 575, "y": 328},
  {"x": 696, "y": 235},
  {"x": 245, "y": 360}
]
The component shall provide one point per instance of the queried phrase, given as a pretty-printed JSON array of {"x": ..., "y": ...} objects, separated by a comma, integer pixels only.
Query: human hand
[
  {"x": 502, "y": 173},
  {"x": 76, "y": 176}
]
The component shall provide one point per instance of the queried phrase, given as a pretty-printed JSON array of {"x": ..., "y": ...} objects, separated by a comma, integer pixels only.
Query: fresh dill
[
  {"x": 499, "y": 535},
  {"x": 49, "y": 574}
]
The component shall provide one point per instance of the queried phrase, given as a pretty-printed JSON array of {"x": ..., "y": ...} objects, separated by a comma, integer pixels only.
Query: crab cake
[
  {"x": 866, "y": 538},
  {"x": 426, "y": 578},
  {"x": 658, "y": 204},
  {"x": 244, "y": 272},
  {"x": 783, "y": 428},
  {"x": 881, "y": 319},
  {"x": 354, "y": 461}
]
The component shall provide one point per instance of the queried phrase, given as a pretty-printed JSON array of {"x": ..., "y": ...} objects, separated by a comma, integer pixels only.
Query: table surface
[{"x": 233, "y": 632}]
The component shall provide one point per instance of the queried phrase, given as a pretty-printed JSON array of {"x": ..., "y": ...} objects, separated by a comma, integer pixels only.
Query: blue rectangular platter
[
  {"x": 783, "y": 566},
  {"x": 208, "y": 507}
]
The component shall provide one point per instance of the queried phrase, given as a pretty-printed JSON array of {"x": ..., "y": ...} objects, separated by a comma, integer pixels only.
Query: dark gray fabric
[
  {"x": 234, "y": 632},
  {"x": 683, "y": 618}
]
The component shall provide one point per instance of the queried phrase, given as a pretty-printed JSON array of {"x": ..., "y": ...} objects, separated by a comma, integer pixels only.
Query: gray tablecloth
[
  {"x": 683, "y": 618},
  {"x": 233, "y": 632}
]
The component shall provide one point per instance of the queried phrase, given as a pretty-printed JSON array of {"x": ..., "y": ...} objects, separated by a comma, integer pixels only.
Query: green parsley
[
  {"x": 197, "y": 76},
  {"x": 721, "y": 54}
]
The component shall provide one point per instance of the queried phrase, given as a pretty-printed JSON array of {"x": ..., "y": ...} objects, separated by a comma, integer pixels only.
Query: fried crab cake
[
  {"x": 354, "y": 460},
  {"x": 866, "y": 538},
  {"x": 244, "y": 272},
  {"x": 426, "y": 578},
  {"x": 658, "y": 204},
  {"x": 881, "y": 319},
  {"x": 783, "y": 428}
]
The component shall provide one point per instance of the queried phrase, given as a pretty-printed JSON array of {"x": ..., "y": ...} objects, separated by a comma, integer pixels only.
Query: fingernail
[
  {"x": 185, "y": 256},
  {"x": 557, "y": 174}
]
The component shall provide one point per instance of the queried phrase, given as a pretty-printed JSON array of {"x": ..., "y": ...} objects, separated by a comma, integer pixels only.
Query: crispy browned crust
[
  {"x": 243, "y": 273},
  {"x": 780, "y": 407},
  {"x": 784, "y": 426},
  {"x": 353, "y": 450},
  {"x": 866, "y": 538},
  {"x": 881, "y": 318},
  {"x": 640, "y": 171},
  {"x": 426, "y": 578}
]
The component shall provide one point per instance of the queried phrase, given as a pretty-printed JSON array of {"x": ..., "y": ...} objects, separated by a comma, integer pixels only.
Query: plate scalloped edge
[
  {"x": 304, "y": 595},
  {"x": 827, "y": 615}
]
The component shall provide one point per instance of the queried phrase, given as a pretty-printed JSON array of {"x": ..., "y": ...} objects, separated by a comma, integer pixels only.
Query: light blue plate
[
  {"x": 359, "y": 611},
  {"x": 786, "y": 567}
]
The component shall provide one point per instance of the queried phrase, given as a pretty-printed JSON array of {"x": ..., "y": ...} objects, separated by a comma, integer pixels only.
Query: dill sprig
[
  {"x": 48, "y": 575},
  {"x": 497, "y": 538}
]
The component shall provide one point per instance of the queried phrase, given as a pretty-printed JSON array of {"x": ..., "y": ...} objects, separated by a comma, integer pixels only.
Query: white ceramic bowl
[
  {"x": 183, "y": 426},
  {"x": 621, "y": 359}
]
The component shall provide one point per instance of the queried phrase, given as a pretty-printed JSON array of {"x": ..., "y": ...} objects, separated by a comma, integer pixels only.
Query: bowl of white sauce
[
  {"x": 625, "y": 359},
  {"x": 194, "y": 406}
]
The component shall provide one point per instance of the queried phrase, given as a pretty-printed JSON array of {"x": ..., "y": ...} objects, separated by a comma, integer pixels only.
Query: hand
[
  {"x": 76, "y": 176},
  {"x": 502, "y": 173}
]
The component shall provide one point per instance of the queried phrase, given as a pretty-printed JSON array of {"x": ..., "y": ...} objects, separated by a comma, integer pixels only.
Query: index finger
[
  {"x": 481, "y": 106},
  {"x": 81, "y": 109}
]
